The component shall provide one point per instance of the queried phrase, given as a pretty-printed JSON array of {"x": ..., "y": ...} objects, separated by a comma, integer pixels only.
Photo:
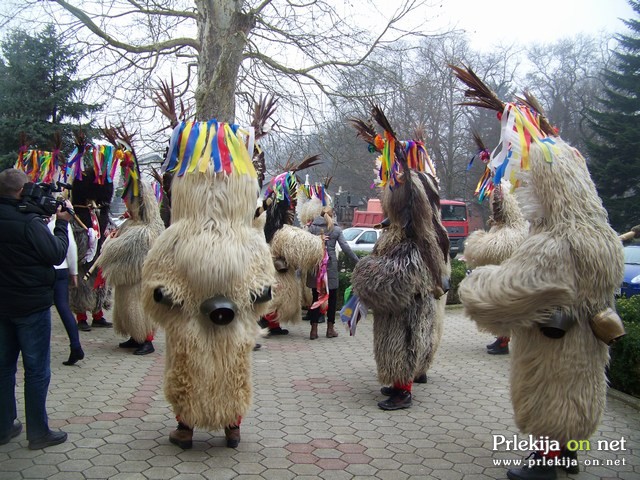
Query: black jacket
[{"x": 28, "y": 253}]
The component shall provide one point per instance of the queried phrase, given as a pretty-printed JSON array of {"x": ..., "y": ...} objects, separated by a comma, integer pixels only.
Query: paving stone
[{"x": 308, "y": 421}]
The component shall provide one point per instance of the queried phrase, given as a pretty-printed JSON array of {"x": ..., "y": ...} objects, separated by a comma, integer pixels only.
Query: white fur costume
[
  {"x": 572, "y": 260},
  {"x": 212, "y": 249},
  {"x": 508, "y": 230},
  {"x": 121, "y": 261}
]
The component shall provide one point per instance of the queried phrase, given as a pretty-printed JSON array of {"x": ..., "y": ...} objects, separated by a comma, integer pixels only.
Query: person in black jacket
[{"x": 28, "y": 253}]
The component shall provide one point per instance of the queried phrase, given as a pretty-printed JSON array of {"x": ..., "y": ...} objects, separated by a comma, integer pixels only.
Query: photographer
[{"x": 28, "y": 253}]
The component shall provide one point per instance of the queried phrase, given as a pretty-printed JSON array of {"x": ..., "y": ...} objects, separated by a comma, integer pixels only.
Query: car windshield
[
  {"x": 632, "y": 255},
  {"x": 351, "y": 233},
  {"x": 454, "y": 212}
]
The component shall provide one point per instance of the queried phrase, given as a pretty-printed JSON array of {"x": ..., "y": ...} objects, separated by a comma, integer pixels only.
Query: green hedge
[{"x": 624, "y": 368}]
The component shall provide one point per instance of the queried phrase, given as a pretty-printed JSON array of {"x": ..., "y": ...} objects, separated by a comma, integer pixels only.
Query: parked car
[
  {"x": 360, "y": 239},
  {"x": 631, "y": 283}
]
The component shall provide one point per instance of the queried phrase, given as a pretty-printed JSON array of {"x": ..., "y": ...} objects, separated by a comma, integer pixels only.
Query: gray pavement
[{"x": 314, "y": 416}]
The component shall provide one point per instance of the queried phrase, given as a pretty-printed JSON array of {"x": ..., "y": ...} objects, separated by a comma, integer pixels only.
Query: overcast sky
[{"x": 509, "y": 21}]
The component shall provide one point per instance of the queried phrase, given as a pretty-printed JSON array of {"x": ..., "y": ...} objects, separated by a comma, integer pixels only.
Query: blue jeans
[
  {"x": 61, "y": 301},
  {"x": 30, "y": 335}
]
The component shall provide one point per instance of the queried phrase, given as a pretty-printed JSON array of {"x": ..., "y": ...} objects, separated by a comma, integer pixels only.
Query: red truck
[{"x": 455, "y": 218}]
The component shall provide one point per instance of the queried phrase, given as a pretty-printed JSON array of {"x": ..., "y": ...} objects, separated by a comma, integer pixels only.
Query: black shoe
[
  {"x": 16, "y": 428},
  {"x": 278, "y": 331},
  {"x": 533, "y": 469},
  {"x": 50, "y": 439},
  {"x": 232, "y": 434},
  {"x": 388, "y": 391},
  {"x": 84, "y": 326},
  {"x": 420, "y": 378},
  {"x": 570, "y": 461},
  {"x": 399, "y": 399},
  {"x": 493, "y": 345},
  {"x": 131, "y": 343},
  {"x": 499, "y": 350},
  {"x": 145, "y": 349},
  {"x": 102, "y": 323},
  {"x": 75, "y": 355},
  {"x": 257, "y": 346}
]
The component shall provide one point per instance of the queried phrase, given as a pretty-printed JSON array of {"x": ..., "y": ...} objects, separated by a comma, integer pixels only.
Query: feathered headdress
[
  {"x": 124, "y": 153},
  {"x": 194, "y": 147},
  {"x": 396, "y": 156},
  {"x": 280, "y": 198},
  {"x": 263, "y": 110},
  {"x": 485, "y": 184},
  {"x": 522, "y": 124},
  {"x": 40, "y": 165}
]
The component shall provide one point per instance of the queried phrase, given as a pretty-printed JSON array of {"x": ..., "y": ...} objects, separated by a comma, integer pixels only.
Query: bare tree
[
  {"x": 566, "y": 77},
  {"x": 234, "y": 48}
]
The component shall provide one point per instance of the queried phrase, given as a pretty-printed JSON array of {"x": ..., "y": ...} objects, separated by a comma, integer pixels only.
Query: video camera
[{"x": 38, "y": 198}]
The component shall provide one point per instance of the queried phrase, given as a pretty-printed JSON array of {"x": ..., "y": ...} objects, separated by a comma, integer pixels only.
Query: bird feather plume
[
  {"x": 532, "y": 102},
  {"x": 481, "y": 94}
]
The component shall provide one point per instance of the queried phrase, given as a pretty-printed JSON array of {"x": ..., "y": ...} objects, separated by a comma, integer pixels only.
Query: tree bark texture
[{"x": 222, "y": 30}]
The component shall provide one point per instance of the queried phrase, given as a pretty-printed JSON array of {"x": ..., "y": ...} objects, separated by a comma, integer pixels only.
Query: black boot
[
  {"x": 75, "y": 355},
  {"x": 399, "y": 399},
  {"x": 145, "y": 349},
  {"x": 420, "y": 378},
  {"x": 495, "y": 343},
  {"x": 131, "y": 343},
  {"x": 534, "y": 469},
  {"x": 570, "y": 461}
]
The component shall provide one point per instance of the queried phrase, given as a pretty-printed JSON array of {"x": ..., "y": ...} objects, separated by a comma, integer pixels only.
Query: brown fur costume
[
  {"x": 86, "y": 195},
  {"x": 212, "y": 249},
  {"x": 397, "y": 280},
  {"x": 121, "y": 260},
  {"x": 572, "y": 260}
]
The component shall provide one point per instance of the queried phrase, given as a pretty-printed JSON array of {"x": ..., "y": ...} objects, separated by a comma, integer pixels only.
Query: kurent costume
[
  {"x": 121, "y": 261},
  {"x": 401, "y": 281},
  {"x": 555, "y": 292},
  {"x": 508, "y": 230},
  {"x": 91, "y": 196},
  {"x": 207, "y": 279},
  {"x": 292, "y": 250}
]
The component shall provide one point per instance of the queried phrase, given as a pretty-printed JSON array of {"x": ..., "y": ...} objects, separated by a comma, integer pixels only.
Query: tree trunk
[{"x": 222, "y": 30}]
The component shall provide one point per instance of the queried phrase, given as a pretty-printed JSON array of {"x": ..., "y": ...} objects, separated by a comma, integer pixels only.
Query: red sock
[
  {"x": 150, "y": 337},
  {"x": 81, "y": 317},
  {"x": 97, "y": 315},
  {"x": 551, "y": 454},
  {"x": 405, "y": 387},
  {"x": 271, "y": 320}
]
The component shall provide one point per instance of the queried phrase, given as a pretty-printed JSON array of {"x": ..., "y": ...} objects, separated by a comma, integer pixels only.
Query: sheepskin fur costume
[
  {"x": 302, "y": 251},
  {"x": 213, "y": 248},
  {"x": 121, "y": 261},
  {"x": 508, "y": 230},
  {"x": 397, "y": 280},
  {"x": 85, "y": 193},
  {"x": 572, "y": 260}
]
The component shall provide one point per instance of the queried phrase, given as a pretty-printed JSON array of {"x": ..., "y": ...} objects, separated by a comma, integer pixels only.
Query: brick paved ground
[{"x": 314, "y": 416}]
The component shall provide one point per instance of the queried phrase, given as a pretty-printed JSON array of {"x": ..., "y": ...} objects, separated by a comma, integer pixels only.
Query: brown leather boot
[
  {"x": 232, "y": 433},
  {"x": 182, "y": 436},
  {"x": 331, "y": 331},
  {"x": 314, "y": 331}
]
